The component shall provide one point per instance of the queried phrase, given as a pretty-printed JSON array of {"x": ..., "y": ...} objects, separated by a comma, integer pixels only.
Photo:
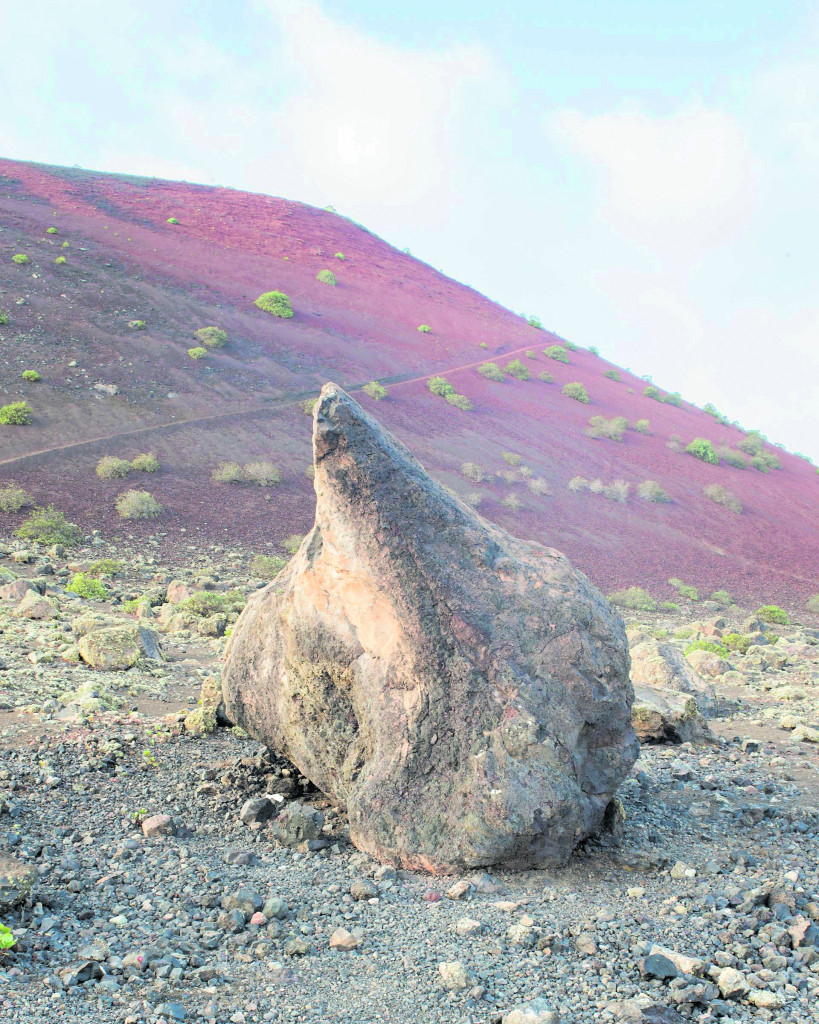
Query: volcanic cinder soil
[{"x": 126, "y": 264}]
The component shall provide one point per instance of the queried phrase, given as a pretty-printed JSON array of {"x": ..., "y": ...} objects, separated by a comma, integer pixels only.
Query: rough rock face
[
  {"x": 667, "y": 716},
  {"x": 661, "y": 664},
  {"x": 464, "y": 693}
]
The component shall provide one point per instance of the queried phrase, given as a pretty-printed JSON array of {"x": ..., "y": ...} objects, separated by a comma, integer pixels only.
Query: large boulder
[
  {"x": 117, "y": 648},
  {"x": 464, "y": 693},
  {"x": 655, "y": 663},
  {"x": 667, "y": 716}
]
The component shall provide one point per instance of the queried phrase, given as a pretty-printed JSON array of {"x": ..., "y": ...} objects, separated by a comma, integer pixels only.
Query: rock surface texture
[{"x": 463, "y": 693}]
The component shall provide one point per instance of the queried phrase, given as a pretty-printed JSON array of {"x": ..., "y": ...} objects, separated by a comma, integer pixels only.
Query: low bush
[
  {"x": 652, "y": 392},
  {"x": 112, "y": 468},
  {"x": 137, "y": 325},
  {"x": 534, "y": 321},
  {"x": 642, "y": 427},
  {"x": 84, "y": 585},
  {"x": 511, "y": 501},
  {"x": 722, "y": 496},
  {"x": 61, "y": 261},
  {"x": 208, "y": 602},
  {"x": 138, "y": 505},
  {"x": 13, "y": 498},
  {"x": 52, "y": 231},
  {"x": 738, "y": 643},
  {"x": 668, "y": 606},
  {"x": 472, "y": 471},
  {"x": 570, "y": 345},
  {"x": 556, "y": 352},
  {"x": 576, "y": 391},
  {"x": 731, "y": 458},
  {"x": 594, "y": 350},
  {"x": 578, "y": 483},
  {"x": 292, "y": 543},
  {"x": 340, "y": 256},
  {"x": 706, "y": 645},
  {"x": 228, "y": 473},
  {"x": 546, "y": 377},
  {"x": 263, "y": 474},
  {"x": 276, "y": 303},
  {"x": 612, "y": 430},
  {"x": 15, "y": 414},
  {"x": 211, "y": 337},
  {"x": 612, "y": 374},
  {"x": 722, "y": 597},
  {"x": 752, "y": 444},
  {"x": 650, "y": 490},
  {"x": 49, "y": 526},
  {"x": 172, "y": 220},
  {"x": 765, "y": 462},
  {"x": 685, "y": 590},
  {"x": 440, "y": 386},
  {"x": 617, "y": 490},
  {"x": 517, "y": 369},
  {"x": 703, "y": 450},
  {"x": 424, "y": 328},
  {"x": 308, "y": 405},
  {"x": 267, "y": 566},
  {"x": 19, "y": 258},
  {"x": 4, "y": 317},
  {"x": 530, "y": 354},
  {"x": 673, "y": 398},
  {"x": 773, "y": 614},
  {"x": 511, "y": 458},
  {"x": 812, "y": 603},
  {"x": 375, "y": 390},
  {"x": 105, "y": 567},
  {"x": 473, "y": 498},
  {"x": 460, "y": 402},
  {"x": 197, "y": 353},
  {"x": 537, "y": 485},
  {"x": 634, "y": 597},
  {"x": 674, "y": 443},
  {"x": 31, "y": 375},
  {"x": 326, "y": 277},
  {"x": 491, "y": 371},
  {"x": 146, "y": 462}
]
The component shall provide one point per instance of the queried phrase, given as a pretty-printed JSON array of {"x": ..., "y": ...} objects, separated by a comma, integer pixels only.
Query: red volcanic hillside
[{"x": 179, "y": 257}]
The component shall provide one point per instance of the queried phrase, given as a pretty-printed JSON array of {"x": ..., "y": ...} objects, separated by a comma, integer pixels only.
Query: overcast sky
[{"x": 641, "y": 174}]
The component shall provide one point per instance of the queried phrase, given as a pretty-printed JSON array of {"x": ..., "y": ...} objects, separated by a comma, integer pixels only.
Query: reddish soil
[{"x": 125, "y": 262}]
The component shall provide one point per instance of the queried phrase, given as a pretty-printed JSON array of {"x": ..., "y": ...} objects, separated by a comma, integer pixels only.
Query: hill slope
[{"x": 125, "y": 262}]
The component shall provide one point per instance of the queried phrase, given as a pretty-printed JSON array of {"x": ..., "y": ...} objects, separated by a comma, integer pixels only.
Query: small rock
[
  {"x": 732, "y": 983},
  {"x": 159, "y": 825},
  {"x": 342, "y": 939},
  {"x": 460, "y": 889},
  {"x": 454, "y": 975},
  {"x": 536, "y": 1011}
]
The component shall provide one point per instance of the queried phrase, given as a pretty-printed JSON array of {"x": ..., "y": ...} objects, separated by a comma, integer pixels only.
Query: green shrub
[
  {"x": 578, "y": 483},
  {"x": 556, "y": 352},
  {"x": 668, "y": 606},
  {"x": 13, "y": 498},
  {"x": 534, "y": 321},
  {"x": 440, "y": 386},
  {"x": 137, "y": 325},
  {"x": 576, "y": 391},
  {"x": 208, "y": 602},
  {"x": 517, "y": 369},
  {"x": 491, "y": 371},
  {"x": 172, "y": 220},
  {"x": 650, "y": 490},
  {"x": 146, "y": 462},
  {"x": 31, "y": 375},
  {"x": 198, "y": 352},
  {"x": 267, "y": 566},
  {"x": 375, "y": 390},
  {"x": 529, "y": 353},
  {"x": 512, "y": 458},
  {"x": 483, "y": 345},
  {"x": 138, "y": 505},
  {"x": 634, "y": 597},
  {"x": 652, "y": 392},
  {"x": 546, "y": 377},
  {"x": 538, "y": 485},
  {"x": 326, "y": 277},
  {"x": 706, "y": 645},
  {"x": 722, "y": 597},
  {"x": 472, "y": 471},
  {"x": 642, "y": 427},
  {"x": 228, "y": 473},
  {"x": 594, "y": 350},
  {"x": 16, "y": 414},
  {"x": 4, "y": 317},
  {"x": 773, "y": 614},
  {"x": 812, "y": 603},
  {"x": 611, "y": 374},
  {"x": 65, "y": 245},
  {"x": 511, "y": 501},
  {"x": 684, "y": 590},
  {"x": 737, "y": 642},
  {"x": 84, "y": 585},
  {"x": 52, "y": 231},
  {"x": 703, "y": 450},
  {"x": 105, "y": 567},
  {"x": 340, "y": 256},
  {"x": 424, "y": 328},
  {"x": 460, "y": 402},
  {"x": 20, "y": 258},
  {"x": 752, "y": 444},
  {"x": 308, "y": 405},
  {"x": 276, "y": 303},
  {"x": 292, "y": 543},
  {"x": 765, "y": 462},
  {"x": 7, "y": 939},
  {"x": 211, "y": 337},
  {"x": 48, "y": 526},
  {"x": 570, "y": 345},
  {"x": 617, "y": 490},
  {"x": 713, "y": 411},
  {"x": 731, "y": 458},
  {"x": 111, "y": 468},
  {"x": 612, "y": 430},
  {"x": 673, "y": 398},
  {"x": 61, "y": 261},
  {"x": 722, "y": 496},
  {"x": 263, "y": 474}
]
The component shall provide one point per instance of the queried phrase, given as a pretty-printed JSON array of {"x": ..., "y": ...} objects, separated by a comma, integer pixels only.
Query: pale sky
[{"x": 641, "y": 174}]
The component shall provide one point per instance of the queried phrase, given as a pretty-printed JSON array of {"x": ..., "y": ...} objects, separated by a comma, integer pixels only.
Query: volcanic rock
[
  {"x": 667, "y": 716},
  {"x": 464, "y": 693}
]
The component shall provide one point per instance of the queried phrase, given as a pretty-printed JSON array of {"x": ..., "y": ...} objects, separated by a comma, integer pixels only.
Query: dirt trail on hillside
[{"x": 300, "y": 396}]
